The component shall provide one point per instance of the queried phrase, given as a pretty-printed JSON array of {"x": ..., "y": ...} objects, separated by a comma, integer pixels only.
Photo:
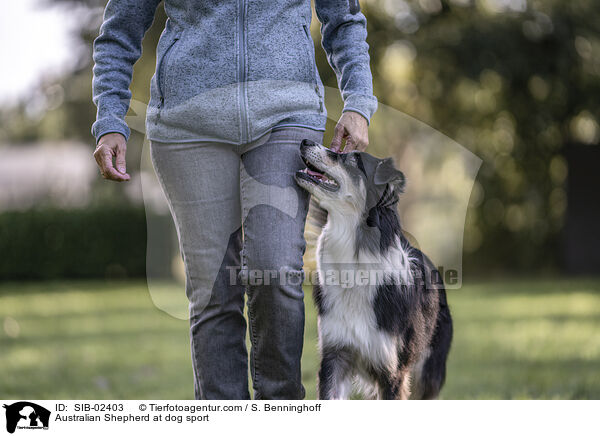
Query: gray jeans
[{"x": 240, "y": 220}]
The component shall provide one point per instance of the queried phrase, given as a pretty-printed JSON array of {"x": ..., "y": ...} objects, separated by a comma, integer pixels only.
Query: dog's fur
[{"x": 390, "y": 334}]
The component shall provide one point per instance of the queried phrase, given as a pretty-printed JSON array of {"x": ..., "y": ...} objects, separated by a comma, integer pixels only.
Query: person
[{"x": 235, "y": 91}]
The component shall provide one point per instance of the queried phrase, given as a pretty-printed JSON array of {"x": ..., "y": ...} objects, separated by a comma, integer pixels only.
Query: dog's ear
[{"x": 385, "y": 173}]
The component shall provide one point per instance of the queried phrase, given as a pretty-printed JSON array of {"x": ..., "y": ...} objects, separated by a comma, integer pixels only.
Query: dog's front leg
[
  {"x": 392, "y": 385},
  {"x": 335, "y": 374}
]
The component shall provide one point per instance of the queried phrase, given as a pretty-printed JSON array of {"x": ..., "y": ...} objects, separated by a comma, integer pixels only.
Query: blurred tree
[{"x": 511, "y": 80}]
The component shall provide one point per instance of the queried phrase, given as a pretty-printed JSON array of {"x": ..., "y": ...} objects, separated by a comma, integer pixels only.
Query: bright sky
[{"x": 34, "y": 41}]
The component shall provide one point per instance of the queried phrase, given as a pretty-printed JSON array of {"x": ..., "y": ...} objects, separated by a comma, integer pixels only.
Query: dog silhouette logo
[{"x": 26, "y": 415}]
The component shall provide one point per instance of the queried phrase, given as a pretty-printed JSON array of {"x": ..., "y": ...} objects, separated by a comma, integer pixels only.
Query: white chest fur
[{"x": 349, "y": 282}]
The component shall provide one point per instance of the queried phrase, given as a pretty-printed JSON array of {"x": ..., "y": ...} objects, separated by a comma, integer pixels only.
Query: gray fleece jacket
[{"x": 229, "y": 70}]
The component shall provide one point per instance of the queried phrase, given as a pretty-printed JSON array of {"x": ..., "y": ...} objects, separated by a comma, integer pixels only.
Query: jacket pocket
[
  {"x": 313, "y": 65},
  {"x": 162, "y": 67}
]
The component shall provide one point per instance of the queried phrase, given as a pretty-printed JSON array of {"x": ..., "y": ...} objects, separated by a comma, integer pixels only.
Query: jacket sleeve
[
  {"x": 116, "y": 50},
  {"x": 344, "y": 38}
]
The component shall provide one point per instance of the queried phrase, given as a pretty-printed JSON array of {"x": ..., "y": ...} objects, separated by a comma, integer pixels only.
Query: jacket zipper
[
  {"x": 159, "y": 78},
  {"x": 242, "y": 69},
  {"x": 313, "y": 65}
]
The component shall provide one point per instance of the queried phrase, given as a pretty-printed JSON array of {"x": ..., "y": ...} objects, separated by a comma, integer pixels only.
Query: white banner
[{"x": 369, "y": 418}]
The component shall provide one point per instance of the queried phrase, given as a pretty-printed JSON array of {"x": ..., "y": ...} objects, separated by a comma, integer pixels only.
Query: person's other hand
[
  {"x": 112, "y": 145},
  {"x": 354, "y": 129}
]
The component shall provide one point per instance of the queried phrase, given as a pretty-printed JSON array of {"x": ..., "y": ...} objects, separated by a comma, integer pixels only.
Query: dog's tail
[{"x": 433, "y": 373}]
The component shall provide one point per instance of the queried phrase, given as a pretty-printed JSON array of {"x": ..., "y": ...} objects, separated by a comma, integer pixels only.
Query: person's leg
[
  {"x": 274, "y": 210},
  {"x": 201, "y": 183}
]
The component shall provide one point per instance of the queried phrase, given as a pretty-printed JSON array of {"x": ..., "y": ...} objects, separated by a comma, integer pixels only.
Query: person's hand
[
  {"x": 354, "y": 129},
  {"x": 112, "y": 145}
]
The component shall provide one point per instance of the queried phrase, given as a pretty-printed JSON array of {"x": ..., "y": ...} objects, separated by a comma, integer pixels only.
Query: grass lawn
[{"x": 97, "y": 340}]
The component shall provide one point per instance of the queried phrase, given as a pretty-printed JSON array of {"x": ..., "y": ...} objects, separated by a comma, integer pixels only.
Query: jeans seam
[
  {"x": 253, "y": 340},
  {"x": 252, "y": 322}
]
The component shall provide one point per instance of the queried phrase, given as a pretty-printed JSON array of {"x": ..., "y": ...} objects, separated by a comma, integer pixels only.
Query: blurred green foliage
[
  {"x": 82, "y": 243},
  {"x": 514, "y": 81}
]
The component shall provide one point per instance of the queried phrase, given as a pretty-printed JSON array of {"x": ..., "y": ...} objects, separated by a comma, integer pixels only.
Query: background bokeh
[{"x": 516, "y": 83}]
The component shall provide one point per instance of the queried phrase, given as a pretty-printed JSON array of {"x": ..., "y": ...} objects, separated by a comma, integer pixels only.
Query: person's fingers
[
  {"x": 356, "y": 140},
  {"x": 109, "y": 146},
  {"x": 112, "y": 174},
  {"x": 356, "y": 131},
  {"x": 97, "y": 153},
  {"x": 107, "y": 167},
  {"x": 98, "y": 156},
  {"x": 103, "y": 157},
  {"x": 338, "y": 135},
  {"x": 362, "y": 143},
  {"x": 120, "y": 162},
  {"x": 351, "y": 145}
]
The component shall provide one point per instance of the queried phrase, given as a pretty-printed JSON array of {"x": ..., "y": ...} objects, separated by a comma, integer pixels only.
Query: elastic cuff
[
  {"x": 366, "y": 105},
  {"x": 104, "y": 126}
]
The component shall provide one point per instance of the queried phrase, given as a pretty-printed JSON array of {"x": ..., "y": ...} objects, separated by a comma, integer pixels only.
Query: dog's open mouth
[{"x": 317, "y": 176}]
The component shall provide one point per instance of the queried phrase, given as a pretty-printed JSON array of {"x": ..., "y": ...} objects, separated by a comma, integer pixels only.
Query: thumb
[{"x": 338, "y": 135}]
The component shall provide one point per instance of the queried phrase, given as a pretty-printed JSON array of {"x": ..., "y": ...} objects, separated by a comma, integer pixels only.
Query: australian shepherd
[{"x": 383, "y": 319}]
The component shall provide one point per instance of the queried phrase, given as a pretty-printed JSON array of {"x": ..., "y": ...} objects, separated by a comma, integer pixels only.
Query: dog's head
[{"x": 348, "y": 183}]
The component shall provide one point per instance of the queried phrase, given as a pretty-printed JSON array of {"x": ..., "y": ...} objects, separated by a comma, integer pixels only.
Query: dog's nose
[{"x": 307, "y": 143}]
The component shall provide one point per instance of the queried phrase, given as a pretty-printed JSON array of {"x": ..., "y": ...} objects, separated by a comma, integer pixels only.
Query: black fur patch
[
  {"x": 393, "y": 305},
  {"x": 336, "y": 362},
  {"x": 318, "y": 298},
  {"x": 360, "y": 164},
  {"x": 386, "y": 220},
  {"x": 326, "y": 370},
  {"x": 383, "y": 217},
  {"x": 434, "y": 370}
]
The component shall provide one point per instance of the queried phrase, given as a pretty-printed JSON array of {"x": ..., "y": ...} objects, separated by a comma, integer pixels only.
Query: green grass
[{"x": 96, "y": 340}]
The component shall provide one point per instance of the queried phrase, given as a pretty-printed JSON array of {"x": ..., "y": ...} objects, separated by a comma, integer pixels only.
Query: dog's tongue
[{"x": 314, "y": 173}]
